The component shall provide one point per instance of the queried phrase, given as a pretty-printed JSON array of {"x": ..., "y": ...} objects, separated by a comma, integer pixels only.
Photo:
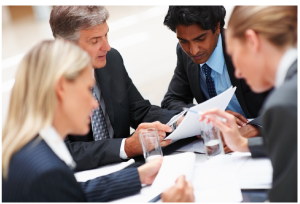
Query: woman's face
[
  {"x": 248, "y": 61},
  {"x": 78, "y": 102}
]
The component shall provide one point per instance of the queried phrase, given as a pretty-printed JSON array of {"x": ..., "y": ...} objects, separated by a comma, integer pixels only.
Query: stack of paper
[{"x": 190, "y": 126}]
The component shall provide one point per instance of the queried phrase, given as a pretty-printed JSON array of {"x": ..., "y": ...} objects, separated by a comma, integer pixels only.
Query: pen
[
  {"x": 176, "y": 118},
  {"x": 155, "y": 199},
  {"x": 200, "y": 113}
]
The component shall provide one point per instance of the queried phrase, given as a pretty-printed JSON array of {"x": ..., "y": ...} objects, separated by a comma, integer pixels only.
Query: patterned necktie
[
  {"x": 209, "y": 81},
  {"x": 99, "y": 126}
]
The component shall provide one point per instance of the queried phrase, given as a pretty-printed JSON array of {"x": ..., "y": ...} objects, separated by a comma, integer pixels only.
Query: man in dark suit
[
  {"x": 204, "y": 70},
  {"x": 121, "y": 104}
]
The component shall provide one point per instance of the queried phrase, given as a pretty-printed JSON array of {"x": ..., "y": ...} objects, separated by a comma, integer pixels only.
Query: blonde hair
[
  {"x": 278, "y": 24},
  {"x": 33, "y": 97}
]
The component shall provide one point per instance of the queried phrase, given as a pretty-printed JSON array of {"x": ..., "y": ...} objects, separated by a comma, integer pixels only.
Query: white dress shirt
[
  {"x": 56, "y": 143},
  {"x": 285, "y": 63}
]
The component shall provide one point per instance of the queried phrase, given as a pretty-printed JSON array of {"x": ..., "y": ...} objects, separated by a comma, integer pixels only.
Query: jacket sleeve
[
  {"x": 179, "y": 93},
  {"x": 280, "y": 137},
  {"x": 90, "y": 155},
  {"x": 55, "y": 186},
  {"x": 112, "y": 186}
]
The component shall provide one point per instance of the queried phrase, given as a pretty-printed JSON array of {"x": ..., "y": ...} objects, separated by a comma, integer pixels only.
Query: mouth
[
  {"x": 197, "y": 57},
  {"x": 102, "y": 57}
]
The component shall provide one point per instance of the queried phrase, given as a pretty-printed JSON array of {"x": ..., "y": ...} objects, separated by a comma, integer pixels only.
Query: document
[
  {"x": 190, "y": 125},
  {"x": 252, "y": 173},
  {"x": 216, "y": 181},
  {"x": 195, "y": 146},
  {"x": 101, "y": 171}
]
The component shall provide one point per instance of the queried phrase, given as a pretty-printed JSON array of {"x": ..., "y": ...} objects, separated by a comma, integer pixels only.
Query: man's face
[
  {"x": 95, "y": 42},
  {"x": 197, "y": 43}
]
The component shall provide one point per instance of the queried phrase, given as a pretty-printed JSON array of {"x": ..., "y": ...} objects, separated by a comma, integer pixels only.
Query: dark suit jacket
[
  {"x": 185, "y": 86},
  {"x": 280, "y": 138},
  {"x": 36, "y": 174},
  {"x": 126, "y": 108}
]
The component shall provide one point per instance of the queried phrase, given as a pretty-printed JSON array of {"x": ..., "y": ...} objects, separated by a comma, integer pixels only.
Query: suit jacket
[
  {"x": 185, "y": 86},
  {"x": 280, "y": 137},
  {"x": 36, "y": 174},
  {"x": 126, "y": 108}
]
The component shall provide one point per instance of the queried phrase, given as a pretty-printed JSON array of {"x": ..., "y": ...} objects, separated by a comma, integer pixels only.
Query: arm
[
  {"x": 55, "y": 185},
  {"x": 179, "y": 93},
  {"x": 89, "y": 155},
  {"x": 280, "y": 136},
  {"x": 112, "y": 186}
]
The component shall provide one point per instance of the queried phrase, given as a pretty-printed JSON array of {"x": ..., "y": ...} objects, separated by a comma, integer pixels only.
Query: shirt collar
[
  {"x": 216, "y": 60},
  {"x": 285, "y": 63},
  {"x": 55, "y": 142}
]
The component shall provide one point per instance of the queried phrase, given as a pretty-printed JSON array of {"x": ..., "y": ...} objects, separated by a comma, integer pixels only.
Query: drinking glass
[
  {"x": 212, "y": 140},
  {"x": 149, "y": 139}
]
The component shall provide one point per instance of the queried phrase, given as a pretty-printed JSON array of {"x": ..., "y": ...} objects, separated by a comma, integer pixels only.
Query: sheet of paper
[
  {"x": 101, "y": 171},
  {"x": 216, "y": 181},
  {"x": 253, "y": 173},
  {"x": 190, "y": 126},
  {"x": 172, "y": 167},
  {"x": 195, "y": 146}
]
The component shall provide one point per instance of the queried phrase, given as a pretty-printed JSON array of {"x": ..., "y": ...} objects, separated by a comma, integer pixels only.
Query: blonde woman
[
  {"x": 50, "y": 99},
  {"x": 262, "y": 44}
]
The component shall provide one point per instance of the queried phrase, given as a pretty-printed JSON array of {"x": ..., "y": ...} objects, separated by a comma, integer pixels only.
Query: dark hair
[{"x": 207, "y": 17}]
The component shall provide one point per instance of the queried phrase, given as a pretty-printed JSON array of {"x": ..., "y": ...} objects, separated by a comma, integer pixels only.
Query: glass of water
[
  {"x": 149, "y": 140},
  {"x": 212, "y": 140}
]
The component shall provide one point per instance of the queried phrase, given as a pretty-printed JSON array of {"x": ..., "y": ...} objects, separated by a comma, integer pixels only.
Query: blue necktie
[
  {"x": 209, "y": 81},
  {"x": 99, "y": 126}
]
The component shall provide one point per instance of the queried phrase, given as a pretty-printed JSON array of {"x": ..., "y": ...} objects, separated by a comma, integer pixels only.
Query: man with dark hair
[{"x": 204, "y": 70}]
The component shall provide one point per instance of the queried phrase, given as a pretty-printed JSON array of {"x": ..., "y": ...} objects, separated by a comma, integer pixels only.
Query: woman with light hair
[
  {"x": 50, "y": 99},
  {"x": 262, "y": 43}
]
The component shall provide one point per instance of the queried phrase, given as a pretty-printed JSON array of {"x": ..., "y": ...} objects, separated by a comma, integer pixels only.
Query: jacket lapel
[
  {"x": 103, "y": 79},
  {"x": 234, "y": 81}
]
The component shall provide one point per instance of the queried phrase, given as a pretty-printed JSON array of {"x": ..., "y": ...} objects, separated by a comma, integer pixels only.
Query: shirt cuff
[{"x": 123, "y": 154}]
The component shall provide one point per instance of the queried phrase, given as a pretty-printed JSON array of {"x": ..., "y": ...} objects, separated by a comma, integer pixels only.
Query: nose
[
  {"x": 105, "y": 46},
  {"x": 194, "y": 49}
]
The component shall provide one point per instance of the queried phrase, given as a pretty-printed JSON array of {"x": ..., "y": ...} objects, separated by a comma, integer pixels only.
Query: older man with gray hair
[{"x": 120, "y": 103}]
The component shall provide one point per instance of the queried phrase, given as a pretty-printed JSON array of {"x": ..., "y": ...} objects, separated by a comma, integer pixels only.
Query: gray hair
[{"x": 67, "y": 21}]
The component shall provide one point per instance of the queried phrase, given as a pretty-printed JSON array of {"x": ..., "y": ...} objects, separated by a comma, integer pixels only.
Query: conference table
[{"x": 248, "y": 195}]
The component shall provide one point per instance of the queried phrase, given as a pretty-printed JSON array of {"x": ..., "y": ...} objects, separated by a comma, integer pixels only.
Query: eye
[
  {"x": 200, "y": 39},
  {"x": 182, "y": 41},
  {"x": 94, "y": 41}
]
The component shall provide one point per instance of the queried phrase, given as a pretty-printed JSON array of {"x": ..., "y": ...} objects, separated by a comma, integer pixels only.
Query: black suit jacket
[
  {"x": 185, "y": 86},
  {"x": 36, "y": 174},
  {"x": 126, "y": 108},
  {"x": 280, "y": 138}
]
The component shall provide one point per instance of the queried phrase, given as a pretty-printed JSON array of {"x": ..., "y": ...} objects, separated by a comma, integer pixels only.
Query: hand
[
  {"x": 179, "y": 120},
  {"x": 232, "y": 137},
  {"x": 133, "y": 146},
  {"x": 239, "y": 118},
  {"x": 148, "y": 171},
  {"x": 226, "y": 148},
  {"x": 249, "y": 131},
  {"x": 182, "y": 191}
]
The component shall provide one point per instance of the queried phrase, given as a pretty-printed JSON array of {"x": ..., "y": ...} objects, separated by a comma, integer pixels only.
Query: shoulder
[
  {"x": 34, "y": 158},
  {"x": 284, "y": 96},
  {"x": 114, "y": 55}
]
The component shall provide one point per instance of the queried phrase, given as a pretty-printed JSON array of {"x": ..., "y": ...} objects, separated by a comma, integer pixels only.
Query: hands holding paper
[{"x": 229, "y": 129}]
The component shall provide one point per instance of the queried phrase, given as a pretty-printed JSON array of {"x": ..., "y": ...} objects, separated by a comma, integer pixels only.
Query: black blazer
[
  {"x": 36, "y": 174},
  {"x": 185, "y": 86},
  {"x": 126, "y": 108},
  {"x": 279, "y": 116}
]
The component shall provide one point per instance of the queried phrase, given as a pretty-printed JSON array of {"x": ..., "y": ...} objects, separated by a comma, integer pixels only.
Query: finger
[
  {"x": 199, "y": 136},
  {"x": 229, "y": 117},
  {"x": 227, "y": 150},
  {"x": 180, "y": 181},
  {"x": 161, "y": 133},
  {"x": 217, "y": 123},
  {"x": 156, "y": 125},
  {"x": 241, "y": 117},
  {"x": 165, "y": 142},
  {"x": 239, "y": 122}
]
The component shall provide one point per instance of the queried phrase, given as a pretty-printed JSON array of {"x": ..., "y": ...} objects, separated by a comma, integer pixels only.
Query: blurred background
[{"x": 137, "y": 32}]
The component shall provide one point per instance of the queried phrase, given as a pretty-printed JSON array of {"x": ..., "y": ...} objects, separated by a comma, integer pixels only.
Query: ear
[
  {"x": 60, "y": 88},
  {"x": 217, "y": 29},
  {"x": 252, "y": 40}
]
